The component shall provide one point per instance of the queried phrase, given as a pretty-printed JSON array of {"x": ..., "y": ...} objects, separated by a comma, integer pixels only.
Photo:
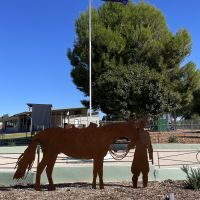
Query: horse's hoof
[
  {"x": 51, "y": 188},
  {"x": 101, "y": 187},
  {"x": 94, "y": 187},
  {"x": 37, "y": 188}
]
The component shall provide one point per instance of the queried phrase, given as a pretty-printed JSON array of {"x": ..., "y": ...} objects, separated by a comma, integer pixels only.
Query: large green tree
[
  {"x": 190, "y": 90},
  {"x": 195, "y": 106},
  {"x": 136, "y": 61},
  {"x": 192, "y": 111}
]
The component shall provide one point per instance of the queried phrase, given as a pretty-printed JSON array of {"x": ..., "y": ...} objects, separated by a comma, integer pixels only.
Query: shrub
[
  {"x": 11, "y": 143},
  {"x": 173, "y": 139},
  {"x": 193, "y": 177}
]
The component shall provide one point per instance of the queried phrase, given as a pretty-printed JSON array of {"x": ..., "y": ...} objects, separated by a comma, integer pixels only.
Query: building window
[{"x": 76, "y": 122}]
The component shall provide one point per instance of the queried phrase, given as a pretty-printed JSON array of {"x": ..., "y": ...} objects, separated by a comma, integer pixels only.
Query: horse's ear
[{"x": 132, "y": 120}]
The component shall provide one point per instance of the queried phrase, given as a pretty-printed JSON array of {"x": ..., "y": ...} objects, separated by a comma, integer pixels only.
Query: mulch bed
[{"x": 115, "y": 191}]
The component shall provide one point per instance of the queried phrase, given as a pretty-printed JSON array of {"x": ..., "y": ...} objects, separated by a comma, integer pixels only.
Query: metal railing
[
  {"x": 162, "y": 158},
  {"x": 177, "y": 158}
]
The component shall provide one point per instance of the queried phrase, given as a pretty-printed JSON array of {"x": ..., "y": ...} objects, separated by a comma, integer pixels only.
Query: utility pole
[{"x": 90, "y": 58}]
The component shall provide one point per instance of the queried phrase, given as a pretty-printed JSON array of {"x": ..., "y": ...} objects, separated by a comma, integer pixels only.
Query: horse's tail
[{"x": 26, "y": 159}]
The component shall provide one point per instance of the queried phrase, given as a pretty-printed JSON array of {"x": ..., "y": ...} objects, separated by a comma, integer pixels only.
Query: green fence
[{"x": 162, "y": 124}]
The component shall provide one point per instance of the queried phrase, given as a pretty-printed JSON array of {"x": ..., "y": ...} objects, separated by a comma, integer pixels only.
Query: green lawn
[{"x": 15, "y": 135}]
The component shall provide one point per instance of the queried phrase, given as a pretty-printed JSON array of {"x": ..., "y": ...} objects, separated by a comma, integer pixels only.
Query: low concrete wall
[
  {"x": 176, "y": 146},
  {"x": 74, "y": 174},
  {"x": 84, "y": 174},
  {"x": 7, "y": 178}
]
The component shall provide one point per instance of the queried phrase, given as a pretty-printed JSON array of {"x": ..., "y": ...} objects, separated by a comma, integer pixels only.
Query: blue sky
[{"x": 35, "y": 36}]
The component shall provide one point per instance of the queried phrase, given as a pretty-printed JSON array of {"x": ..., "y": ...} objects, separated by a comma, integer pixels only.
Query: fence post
[
  {"x": 158, "y": 159},
  {"x": 38, "y": 153}
]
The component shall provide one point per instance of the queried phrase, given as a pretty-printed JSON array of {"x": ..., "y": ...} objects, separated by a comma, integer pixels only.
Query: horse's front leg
[
  {"x": 49, "y": 171},
  {"x": 94, "y": 173},
  {"x": 100, "y": 172}
]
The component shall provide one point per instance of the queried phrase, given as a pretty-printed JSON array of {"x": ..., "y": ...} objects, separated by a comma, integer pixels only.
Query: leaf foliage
[{"x": 136, "y": 61}]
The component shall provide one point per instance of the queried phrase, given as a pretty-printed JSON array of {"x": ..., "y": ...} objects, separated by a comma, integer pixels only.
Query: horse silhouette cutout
[{"x": 86, "y": 143}]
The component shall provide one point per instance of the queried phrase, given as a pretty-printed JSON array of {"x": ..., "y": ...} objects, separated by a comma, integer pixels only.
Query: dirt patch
[
  {"x": 186, "y": 137},
  {"x": 115, "y": 191}
]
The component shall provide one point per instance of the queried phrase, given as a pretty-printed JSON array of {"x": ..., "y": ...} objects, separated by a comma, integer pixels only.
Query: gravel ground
[{"x": 115, "y": 191}]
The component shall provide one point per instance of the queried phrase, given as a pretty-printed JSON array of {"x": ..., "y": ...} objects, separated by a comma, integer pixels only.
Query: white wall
[{"x": 82, "y": 120}]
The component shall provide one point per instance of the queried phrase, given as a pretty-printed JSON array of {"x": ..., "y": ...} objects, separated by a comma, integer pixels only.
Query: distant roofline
[
  {"x": 22, "y": 113},
  {"x": 31, "y": 104},
  {"x": 53, "y": 110},
  {"x": 60, "y": 109}
]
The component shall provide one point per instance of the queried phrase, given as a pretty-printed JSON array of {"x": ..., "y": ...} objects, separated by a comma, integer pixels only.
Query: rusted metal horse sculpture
[{"x": 88, "y": 143}]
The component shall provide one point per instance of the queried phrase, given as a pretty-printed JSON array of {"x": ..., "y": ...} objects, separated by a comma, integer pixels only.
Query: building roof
[
  {"x": 22, "y": 113},
  {"x": 31, "y": 104},
  {"x": 70, "y": 110}
]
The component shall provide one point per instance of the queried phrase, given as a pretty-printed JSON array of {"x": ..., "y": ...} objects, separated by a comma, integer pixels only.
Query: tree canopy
[
  {"x": 136, "y": 61},
  {"x": 192, "y": 111}
]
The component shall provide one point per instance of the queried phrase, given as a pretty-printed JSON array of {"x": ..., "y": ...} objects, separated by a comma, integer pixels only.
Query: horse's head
[
  {"x": 141, "y": 123},
  {"x": 135, "y": 127},
  {"x": 129, "y": 130}
]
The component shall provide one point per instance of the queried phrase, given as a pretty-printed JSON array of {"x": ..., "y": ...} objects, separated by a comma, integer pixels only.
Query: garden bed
[
  {"x": 184, "y": 137},
  {"x": 115, "y": 191}
]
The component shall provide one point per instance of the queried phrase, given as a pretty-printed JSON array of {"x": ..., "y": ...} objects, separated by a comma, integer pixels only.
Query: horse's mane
[{"x": 90, "y": 129}]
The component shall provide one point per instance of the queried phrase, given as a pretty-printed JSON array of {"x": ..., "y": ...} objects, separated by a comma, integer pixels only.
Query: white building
[{"x": 21, "y": 122}]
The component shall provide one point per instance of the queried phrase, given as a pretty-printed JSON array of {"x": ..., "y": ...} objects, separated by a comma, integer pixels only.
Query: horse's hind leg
[
  {"x": 95, "y": 168},
  {"x": 49, "y": 171}
]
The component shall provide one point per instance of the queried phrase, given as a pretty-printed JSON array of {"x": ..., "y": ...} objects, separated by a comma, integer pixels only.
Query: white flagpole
[{"x": 90, "y": 58}]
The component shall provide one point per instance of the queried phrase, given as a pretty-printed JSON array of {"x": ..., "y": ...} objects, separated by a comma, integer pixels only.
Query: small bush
[
  {"x": 173, "y": 139},
  {"x": 11, "y": 143},
  {"x": 193, "y": 177}
]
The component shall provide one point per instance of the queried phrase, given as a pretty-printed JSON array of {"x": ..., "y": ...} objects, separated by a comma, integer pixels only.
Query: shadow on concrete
[
  {"x": 67, "y": 185},
  {"x": 4, "y": 188}
]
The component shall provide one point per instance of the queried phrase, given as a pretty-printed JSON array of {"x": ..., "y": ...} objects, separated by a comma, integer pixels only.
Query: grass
[
  {"x": 193, "y": 177},
  {"x": 15, "y": 135}
]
